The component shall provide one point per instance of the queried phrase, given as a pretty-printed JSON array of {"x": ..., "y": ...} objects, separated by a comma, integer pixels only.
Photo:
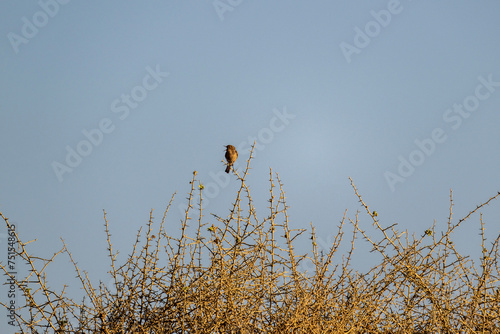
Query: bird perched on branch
[{"x": 231, "y": 156}]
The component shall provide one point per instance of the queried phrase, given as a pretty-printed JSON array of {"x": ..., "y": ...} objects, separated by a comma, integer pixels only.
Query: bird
[{"x": 231, "y": 156}]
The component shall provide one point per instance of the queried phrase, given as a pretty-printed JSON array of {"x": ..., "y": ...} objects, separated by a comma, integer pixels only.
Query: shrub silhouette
[{"x": 242, "y": 275}]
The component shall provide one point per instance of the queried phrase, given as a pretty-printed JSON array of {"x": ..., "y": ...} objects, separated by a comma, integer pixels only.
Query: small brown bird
[{"x": 231, "y": 156}]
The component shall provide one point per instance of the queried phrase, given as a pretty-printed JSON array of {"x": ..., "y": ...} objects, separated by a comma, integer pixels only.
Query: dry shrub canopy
[{"x": 240, "y": 274}]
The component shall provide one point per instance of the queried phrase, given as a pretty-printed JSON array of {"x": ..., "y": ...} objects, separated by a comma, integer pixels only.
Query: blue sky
[{"x": 200, "y": 75}]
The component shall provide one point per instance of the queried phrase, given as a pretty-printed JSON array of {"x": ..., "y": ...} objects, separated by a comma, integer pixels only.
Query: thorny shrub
[{"x": 241, "y": 275}]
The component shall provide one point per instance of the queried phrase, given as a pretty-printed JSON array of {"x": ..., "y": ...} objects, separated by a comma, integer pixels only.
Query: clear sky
[{"x": 113, "y": 105}]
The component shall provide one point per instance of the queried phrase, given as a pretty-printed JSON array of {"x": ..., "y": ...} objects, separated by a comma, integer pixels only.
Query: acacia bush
[{"x": 242, "y": 275}]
